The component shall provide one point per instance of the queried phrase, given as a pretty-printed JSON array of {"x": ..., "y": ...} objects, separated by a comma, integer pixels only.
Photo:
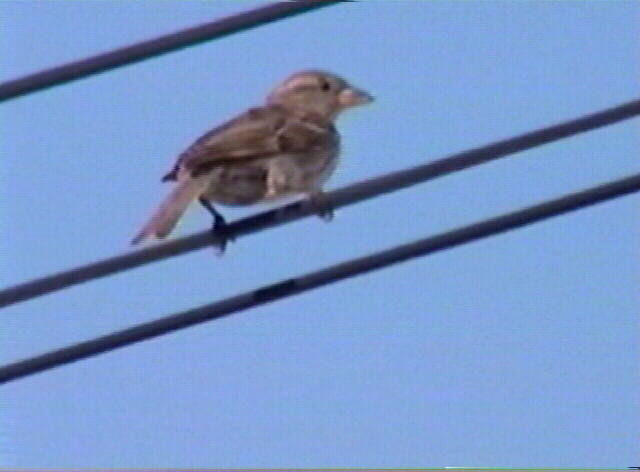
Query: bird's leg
[
  {"x": 218, "y": 219},
  {"x": 322, "y": 205},
  {"x": 219, "y": 226}
]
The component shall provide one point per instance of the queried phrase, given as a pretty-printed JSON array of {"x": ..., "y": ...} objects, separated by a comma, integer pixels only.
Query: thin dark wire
[
  {"x": 338, "y": 198},
  {"x": 320, "y": 278},
  {"x": 157, "y": 46}
]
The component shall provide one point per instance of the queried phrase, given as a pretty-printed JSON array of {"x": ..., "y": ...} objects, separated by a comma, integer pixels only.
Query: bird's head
[{"x": 318, "y": 92}]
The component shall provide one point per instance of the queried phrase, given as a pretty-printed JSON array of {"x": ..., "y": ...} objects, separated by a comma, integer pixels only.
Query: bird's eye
[{"x": 325, "y": 86}]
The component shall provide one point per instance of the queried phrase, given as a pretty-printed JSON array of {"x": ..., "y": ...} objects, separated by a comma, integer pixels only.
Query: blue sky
[{"x": 519, "y": 350}]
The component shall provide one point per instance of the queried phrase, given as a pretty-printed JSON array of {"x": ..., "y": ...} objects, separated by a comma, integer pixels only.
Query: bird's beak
[{"x": 351, "y": 97}]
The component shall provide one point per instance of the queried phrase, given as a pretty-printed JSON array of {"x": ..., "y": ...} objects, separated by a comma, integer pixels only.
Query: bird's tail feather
[{"x": 169, "y": 212}]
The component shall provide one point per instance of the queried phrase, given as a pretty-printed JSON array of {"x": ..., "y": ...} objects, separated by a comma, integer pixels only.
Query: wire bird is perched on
[{"x": 289, "y": 146}]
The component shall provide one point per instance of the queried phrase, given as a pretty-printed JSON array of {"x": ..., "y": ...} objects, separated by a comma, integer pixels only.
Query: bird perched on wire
[{"x": 289, "y": 146}]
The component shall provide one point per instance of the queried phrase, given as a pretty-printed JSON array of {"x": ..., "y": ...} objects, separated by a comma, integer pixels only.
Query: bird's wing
[{"x": 256, "y": 134}]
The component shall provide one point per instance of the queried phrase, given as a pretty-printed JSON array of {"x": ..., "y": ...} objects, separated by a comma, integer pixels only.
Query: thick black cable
[
  {"x": 319, "y": 278},
  {"x": 345, "y": 196},
  {"x": 157, "y": 46}
]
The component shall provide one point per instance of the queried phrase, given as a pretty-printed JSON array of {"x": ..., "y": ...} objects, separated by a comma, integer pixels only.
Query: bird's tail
[{"x": 169, "y": 212}]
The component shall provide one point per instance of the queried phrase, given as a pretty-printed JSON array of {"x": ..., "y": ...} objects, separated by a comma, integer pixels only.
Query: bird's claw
[
  {"x": 220, "y": 233},
  {"x": 326, "y": 214},
  {"x": 323, "y": 208}
]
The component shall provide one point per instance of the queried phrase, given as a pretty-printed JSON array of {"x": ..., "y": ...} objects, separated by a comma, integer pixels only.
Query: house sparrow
[{"x": 289, "y": 146}]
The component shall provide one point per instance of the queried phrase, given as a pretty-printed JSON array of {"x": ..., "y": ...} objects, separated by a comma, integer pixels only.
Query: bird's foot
[
  {"x": 220, "y": 233},
  {"x": 322, "y": 206},
  {"x": 219, "y": 229}
]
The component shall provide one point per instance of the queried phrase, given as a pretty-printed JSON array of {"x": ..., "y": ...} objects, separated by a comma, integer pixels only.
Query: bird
[{"x": 288, "y": 146}]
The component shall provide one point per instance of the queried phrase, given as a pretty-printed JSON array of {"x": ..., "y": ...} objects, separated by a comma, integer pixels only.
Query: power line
[
  {"x": 157, "y": 46},
  {"x": 338, "y": 198},
  {"x": 320, "y": 278}
]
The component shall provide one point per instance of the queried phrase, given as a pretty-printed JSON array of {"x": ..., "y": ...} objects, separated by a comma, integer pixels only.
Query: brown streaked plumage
[{"x": 288, "y": 146}]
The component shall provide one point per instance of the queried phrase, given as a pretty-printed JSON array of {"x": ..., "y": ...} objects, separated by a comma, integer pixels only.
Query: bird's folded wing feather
[{"x": 258, "y": 133}]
